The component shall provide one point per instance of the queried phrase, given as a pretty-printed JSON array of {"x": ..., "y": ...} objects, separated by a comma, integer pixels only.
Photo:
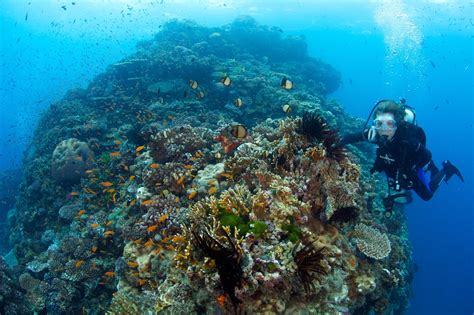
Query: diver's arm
[{"x": 354, "y": 137}]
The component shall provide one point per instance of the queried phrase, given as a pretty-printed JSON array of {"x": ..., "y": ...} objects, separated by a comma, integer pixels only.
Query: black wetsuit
[{"x": 404, "y": 159}]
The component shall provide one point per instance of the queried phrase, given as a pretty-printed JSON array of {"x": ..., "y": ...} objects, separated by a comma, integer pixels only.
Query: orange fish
[
  {"x": 180, "y": 180},
  {"x": 81, "y": 212},
  {"x": 188, "y": 166},
  {"x": 108, "y": 233},
  {"x": 115, "y": 154},
  {"x": 177, "y": 238},
  {"x": 147, "y": 202},
  {"x": 90, "y": 171},
  {"x": 140, "y": 148},
  {"x": 149, "y": 243},
  {"x": 163, "y": 218},
  {"x": 106, "y": 184},
  {"x": 131, "y": 178},
  {"x": 118, "y": 142},
  {"x": 79, "y": 263},
  {"x": 94, "y": 249},
  {"x": 132, "y": 264},
  {"x": 74, "y": 193},
  {"x": 152, "y": 228},
  {"x": 221, "y": 299},
  {"x": 111, "y": 190},
  {"x": 212, "y": 190},
  {"x": 176, "y": 199},
  {"x": 154, "y": 165},
  {"x": 192, "y": 194},
  {"x": 109, "y": 274},
  {"x": 95, "y": 225},
  {"x": 109, "y": 223},
  {"x": 141, "y": 282},
  {"x": 133, "y": 202}
]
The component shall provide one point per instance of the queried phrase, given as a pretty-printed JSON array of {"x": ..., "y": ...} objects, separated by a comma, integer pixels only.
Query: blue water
[{"x": 389, "y": 49}]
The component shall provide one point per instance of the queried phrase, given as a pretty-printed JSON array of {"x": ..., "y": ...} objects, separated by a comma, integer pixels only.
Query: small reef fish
[
  {"x": 109, "y": 274},
  {"x": 149, "y": 243},
  {"x": 141, "y": 282},
  {"x": 226, "y": 80},
  {"x": 154, "y": 165},
  {"x": 117, "y": 142},
  {"x": 286, "y": 84},
  {"x": 188, "y": 167},
  {"x": 193, "y": 84},
  {"x": 81, "y": 212},
  {"x": 132, "y": 264},
  {"x": 73, "y": 193},
  {"x": 192, "y": 194},
  {"x": 139, "y": 148},
  {"x": 109, "y": 223},
  {"x": 95, "y": 225},
  {"x": 79, "y": 263},
  {"x": 106, "y": 184},
  {"x": 180, "y": 180},
  {"x": 238, "y": 102},
  {"x": 239, "y": 131},
  {"x": 200, "y": 95},
  {"x": 115, "y": 154},
  {"x": 221, "y": 299},
  {"x": 163, "y": 218},
  {"x": 212, "y": 190},
  {"x": 131, "y": 178},
  {"x": 94, "y": 249},
  {"x": 108, "y": 233},
  {"x": 152, "y": 228},
  {"x": 147, "y": 202},
  {"x": 286, "y": 108}
]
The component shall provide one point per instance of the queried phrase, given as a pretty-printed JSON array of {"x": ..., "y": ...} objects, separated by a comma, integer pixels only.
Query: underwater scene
[{"x": 236, "y": 157}]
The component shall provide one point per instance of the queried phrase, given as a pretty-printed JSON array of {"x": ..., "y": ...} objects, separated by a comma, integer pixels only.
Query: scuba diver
[{"x": 402, "y": 153}]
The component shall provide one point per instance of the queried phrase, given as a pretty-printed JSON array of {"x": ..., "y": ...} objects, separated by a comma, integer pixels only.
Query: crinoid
[
  {"x": 334, "y": 148},
  {"x": 227, "y": 259},
  {"x": 309, "y": 264},
  {"x": 313, "y": 126}
]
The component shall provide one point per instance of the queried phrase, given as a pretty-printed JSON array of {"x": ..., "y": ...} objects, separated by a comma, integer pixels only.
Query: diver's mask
[{"x": 384, "y": 123}]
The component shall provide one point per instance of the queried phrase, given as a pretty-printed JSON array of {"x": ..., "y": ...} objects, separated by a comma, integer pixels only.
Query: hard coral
[{"x": 371, "y": 241}]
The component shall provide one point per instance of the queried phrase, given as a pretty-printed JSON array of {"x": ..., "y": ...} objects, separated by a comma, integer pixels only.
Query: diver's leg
[
  {"x": 422, "y": 189},
  {"x": 445, "y": 174}
]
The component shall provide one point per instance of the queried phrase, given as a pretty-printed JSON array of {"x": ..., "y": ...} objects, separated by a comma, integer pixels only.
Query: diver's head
[{"x": 387, "y": 116}]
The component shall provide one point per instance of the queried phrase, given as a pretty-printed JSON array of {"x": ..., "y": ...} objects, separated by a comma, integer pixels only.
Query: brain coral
[
  {"x": 371, "y": 241},
  {"x": 71, "y": 158}
]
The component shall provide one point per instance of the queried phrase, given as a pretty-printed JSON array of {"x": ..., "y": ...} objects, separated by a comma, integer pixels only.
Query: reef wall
[{"x": 204, "y": 174}]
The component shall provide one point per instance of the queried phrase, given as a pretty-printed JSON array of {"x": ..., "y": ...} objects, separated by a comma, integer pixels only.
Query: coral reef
[{"x": 175, "y": 183}]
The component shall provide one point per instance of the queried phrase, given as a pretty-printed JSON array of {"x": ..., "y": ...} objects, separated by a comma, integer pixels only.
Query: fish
[
  {"x": 94, "y": 249},
  {"x": 64, "y": 7},
  {"x": 436, "y": 108},
  {"x": 117, "y": 142},
  {"x": 152, "y": 228},
  {"x": 131, "y": 178},
  {"x": 164, "y": 217},
  {"x": 114, "y": 154},
  {"x": 286, "y": 84},
  {"x": 239, "y": 131},
  {"x": 95, "y": 225},
  {"x": 199, "y": 95},
  {"x": 188, "y": 166},
  {"x": 180, "y": 180},
  {"x": 149, "y": 243},
  {"x": 79, "y": 263},
  {"x": 109, "y": 223},
  {"x": 177, "y": 238},
  {"x": 81, "y": 212},
  {"x": 133, "y": 202},
  {"x": 193, "y": 84},
  {"x": 108, "y": 233},
  {"x": 154, "y": 165},
  {"x": 141, "y": 282},
  {"x": 111, "y": 190},
  {"x": 212, "y": 190},
  {"x": 221, "y": 299},
  {"x": 139, "y": 148},
  {"x": 432, "y": 64},
  {"x": 226, "y": 80},
  {"x": 109, "y": 274},
  {"x": 238, "y": 102},
  {"x": 286, "y": 108},
  {"x": 106, "y": 184},
  {"x": 132, "y": 264},
  {"x": 192, "y": 194},
  {"x": 176, "y": 199},
  {"x": 73, "y": 193},
  {"x": 147, "y": 202},
  {"x": 226, "y": 175}
]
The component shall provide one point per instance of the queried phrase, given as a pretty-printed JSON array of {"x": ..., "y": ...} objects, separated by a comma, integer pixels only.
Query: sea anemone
[
  {"x": 309, "y": 264},
  {"x": 313, "y": 126}
]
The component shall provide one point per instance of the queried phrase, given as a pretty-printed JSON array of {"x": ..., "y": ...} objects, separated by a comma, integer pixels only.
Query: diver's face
[{"x": 385, "y": 125}]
